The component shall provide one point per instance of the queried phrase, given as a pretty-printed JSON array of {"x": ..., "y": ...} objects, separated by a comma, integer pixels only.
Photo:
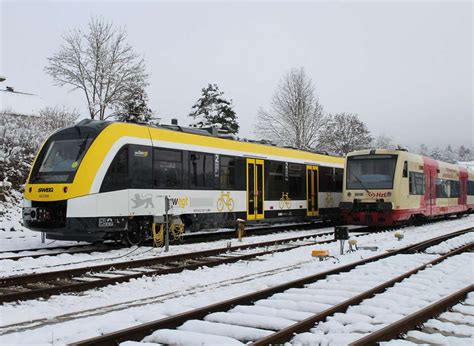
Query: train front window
[
  {"x": 370, "y": 172},
  {"x": 59, "y": 159}
]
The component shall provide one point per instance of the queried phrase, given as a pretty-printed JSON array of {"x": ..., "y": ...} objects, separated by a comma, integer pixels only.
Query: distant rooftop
[{"x": 15, "y": 102}]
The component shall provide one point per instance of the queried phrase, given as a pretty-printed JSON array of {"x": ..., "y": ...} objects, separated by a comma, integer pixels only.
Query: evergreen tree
[
  {"x": 423, "y": 150},
  {"x": 464, "y": 153},
  {"x": 213, "y": 109},
  {"x": 436, "y": 153},
  {"x": 134, "y": 108}
]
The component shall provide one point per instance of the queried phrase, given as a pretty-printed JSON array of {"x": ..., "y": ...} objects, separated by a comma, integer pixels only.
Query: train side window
[
  {"x": 339, "y": 179},
  {"x": 240, "y": 173},
  {"x": 116, "y": 177},
  {"x": 417, "y": 183},
  {"x": 442, "y": 187},
  {"x": 227, "y": 172},
  {"x": 297, "y": 181},
  {"x": 168, "y": 168},
  {"x": 276, "y": 181},
  {"x": 140, "y": 166},
  {"x": 470, "y": 188},
  {"x": 454, "y": 191},
  {"x": 405, "y": 169},
  {"x": 327, "y": 179},
  {"x": 201, "y": 170}
]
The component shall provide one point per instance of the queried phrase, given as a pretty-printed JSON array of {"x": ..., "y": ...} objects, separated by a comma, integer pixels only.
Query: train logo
[
  {"x": 225, "y": 200},
  {"x": 180, "y": 202},
  {"x": 142, "y": 200},
  {"x": 329, "y": 199},
  {"x": 378, "y": 194},
  {"x": 285, "y": 201}
]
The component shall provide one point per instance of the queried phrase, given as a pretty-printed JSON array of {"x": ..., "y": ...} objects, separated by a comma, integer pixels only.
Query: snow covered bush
[{"x": 20, "y": 139}]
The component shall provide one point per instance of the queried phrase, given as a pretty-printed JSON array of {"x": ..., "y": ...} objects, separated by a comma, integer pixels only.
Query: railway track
[
  {"x": 443, "y": 322},
  {"x": 37, "y": 285},
  {"x": 275, "y": 314},
  {"x": 188, "y": 238},
  {"x": 16, "y": 255}
]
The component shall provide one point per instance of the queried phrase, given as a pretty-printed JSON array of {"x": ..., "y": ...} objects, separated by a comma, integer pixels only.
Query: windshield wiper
[
  {"x": 360, "y": 182},
  {"x": 82, "y": 148}
]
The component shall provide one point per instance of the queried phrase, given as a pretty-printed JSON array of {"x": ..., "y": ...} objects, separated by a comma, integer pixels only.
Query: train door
[
  {"x": 428, "y": 201},
  {"x": 312, "y": 188},
  {"x": 432, "y": 189},
  {"x": 255, "y": 191}
]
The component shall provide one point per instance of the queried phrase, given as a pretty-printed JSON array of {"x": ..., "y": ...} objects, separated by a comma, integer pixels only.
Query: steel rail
[
  {"x": 393, "y": 330},
  {"x": 76, "y": 249},
  {"x": 285, "y": 335},
  {"x": 137, "y": 333},
  {"x": 50, "y": 283},
  {"x": 18, "y": 279},
  {"x": 189, "y": 238}
]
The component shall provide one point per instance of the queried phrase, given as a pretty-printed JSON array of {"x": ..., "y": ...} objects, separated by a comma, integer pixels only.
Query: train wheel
[
  {"x": 136, "y": 234},
  {"x": 133, "y": 238}
]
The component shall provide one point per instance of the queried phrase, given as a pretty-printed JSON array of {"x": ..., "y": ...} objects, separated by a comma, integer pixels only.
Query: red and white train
[{"x": 385, "y": 187}]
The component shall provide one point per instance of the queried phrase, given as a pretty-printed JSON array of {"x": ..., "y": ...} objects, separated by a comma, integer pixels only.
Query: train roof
[
  {"x": 192, "y": 136},
  {"x": 407, "y": 155}
]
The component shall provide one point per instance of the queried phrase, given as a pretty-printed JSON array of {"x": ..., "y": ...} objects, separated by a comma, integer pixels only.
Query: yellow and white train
[
  {"x": 384, "y": 187},
  {"x": 101, "y": 180}
]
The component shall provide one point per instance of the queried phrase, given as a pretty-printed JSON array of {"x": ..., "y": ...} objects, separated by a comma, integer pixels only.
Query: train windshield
[
  {"x": 60, "y": 158},
  {"x": 370, "y": 172}
]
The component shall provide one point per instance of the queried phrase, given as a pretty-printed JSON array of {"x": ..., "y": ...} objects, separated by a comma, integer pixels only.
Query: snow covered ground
[
  {"x": 397, "y": 302},
  {"x": 72, "y": 317},
  {"x": 68, "y": 261},
  {"x": 455, "y": 327}
]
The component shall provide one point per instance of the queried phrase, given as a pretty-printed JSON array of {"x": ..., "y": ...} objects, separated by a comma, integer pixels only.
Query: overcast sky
[{"x": 406, "y": 68}]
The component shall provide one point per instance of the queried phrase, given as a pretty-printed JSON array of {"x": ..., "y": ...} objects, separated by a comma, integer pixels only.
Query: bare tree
[
  {"x": 345, "y": 133},
  {"x": 383, "y": 142},
  {"x": 100, "y": 63},
  {"x": 57, "y": 117},
  {"x": 296, "y": 116}
]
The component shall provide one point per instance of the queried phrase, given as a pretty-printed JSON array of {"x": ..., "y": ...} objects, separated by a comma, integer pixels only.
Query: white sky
[{"x": 405, "y": 68}]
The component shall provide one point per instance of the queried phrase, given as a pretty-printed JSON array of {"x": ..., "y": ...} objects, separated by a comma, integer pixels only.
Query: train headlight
[
  {"x": 65, "y": 189},
  {"x": 349, "y": 194},
  {"x": 30, "y": 189}
]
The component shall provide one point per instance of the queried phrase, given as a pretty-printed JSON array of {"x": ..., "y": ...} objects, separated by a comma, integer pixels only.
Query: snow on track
[
  {"x": 142, "y": 300},
  {"x": 452, "y": 243},
  {"x": 455, "y": 327},
  {"x": 250, "y": 327},
  {"x": 406, "y": 297},
  {"x": 68, "y": 261}
]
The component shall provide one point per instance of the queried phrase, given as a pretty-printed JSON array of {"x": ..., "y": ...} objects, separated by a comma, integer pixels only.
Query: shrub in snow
[{"x": 20, "y": 139}]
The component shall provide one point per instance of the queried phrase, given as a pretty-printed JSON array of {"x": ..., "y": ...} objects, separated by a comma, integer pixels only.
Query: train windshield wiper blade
[
  {"x": 82, "y": 147},
  {"x": 360, "y": 182}
]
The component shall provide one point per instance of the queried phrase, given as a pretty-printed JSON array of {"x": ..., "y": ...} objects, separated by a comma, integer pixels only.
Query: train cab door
[
  {"x": 312, "y": 188},
  {"x": 255, "y": 183}
]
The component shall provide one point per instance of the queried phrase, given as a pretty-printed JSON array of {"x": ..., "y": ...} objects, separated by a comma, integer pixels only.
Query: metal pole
[
  {"x": 43, "y": 237},
  {"x": 167, "y": 233}
]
